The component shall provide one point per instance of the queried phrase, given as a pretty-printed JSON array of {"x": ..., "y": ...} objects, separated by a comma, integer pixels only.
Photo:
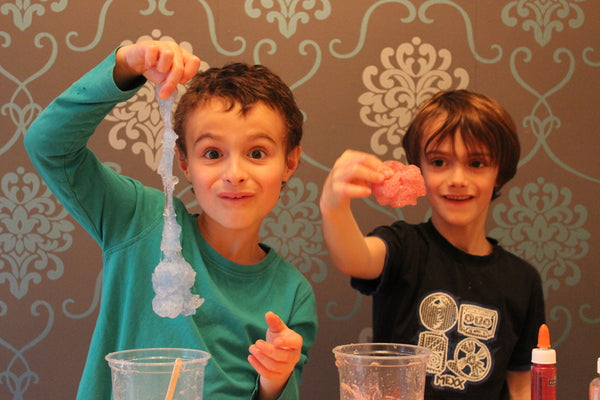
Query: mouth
[
  {"x": 457, "y": 197},
  {"x": 235, "y": 196}
]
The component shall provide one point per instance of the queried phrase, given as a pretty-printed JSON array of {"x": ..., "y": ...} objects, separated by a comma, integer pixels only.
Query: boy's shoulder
[
  {"x": 284, "y": 267},
  {"x": 401, "y": 227},
  {"x": 512, "y": 260}
]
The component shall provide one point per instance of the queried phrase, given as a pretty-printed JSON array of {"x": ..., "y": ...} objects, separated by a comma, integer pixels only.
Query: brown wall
[{"x": 541, "y": 62}]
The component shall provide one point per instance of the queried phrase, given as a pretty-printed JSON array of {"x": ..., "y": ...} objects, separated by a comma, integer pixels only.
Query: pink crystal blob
[{"x": 401, "y": 189}]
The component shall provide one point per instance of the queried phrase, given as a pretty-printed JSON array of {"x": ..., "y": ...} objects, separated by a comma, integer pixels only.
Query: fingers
[
  {"x": 164, "y": 63},
  {"x": 355, "y": 166},
  {"x": 173, "y": 64},
  {"x": 274, "y": 361},
  {"x": 279, "y": 335},
  {"x": 167, "y": 63},
  {"x": 263, "y": 370},
  {"x": 351, "y": 177},
  {"x": 277, "y": 356},
  {"x": 191, "y": 65}
]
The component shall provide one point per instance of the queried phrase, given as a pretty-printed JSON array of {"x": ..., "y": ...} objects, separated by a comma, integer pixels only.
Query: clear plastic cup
[
  {"x": 145, "y": 374},
  {"x": 375, "y": 371}
]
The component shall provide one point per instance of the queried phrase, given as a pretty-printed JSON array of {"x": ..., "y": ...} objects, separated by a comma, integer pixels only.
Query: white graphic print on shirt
[{"x": 454, "y": 365}]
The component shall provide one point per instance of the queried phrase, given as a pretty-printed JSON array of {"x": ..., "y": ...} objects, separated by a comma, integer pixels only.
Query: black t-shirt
[{"x": 479, "y": 315}]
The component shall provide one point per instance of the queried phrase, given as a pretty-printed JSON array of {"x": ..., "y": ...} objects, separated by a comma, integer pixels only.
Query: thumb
[{"x": 276, "y": 325}]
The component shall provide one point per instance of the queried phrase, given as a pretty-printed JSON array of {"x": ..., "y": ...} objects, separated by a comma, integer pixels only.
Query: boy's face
[
  {"x": 459, "y": 182},
  {"x": 236, "y": 163}
]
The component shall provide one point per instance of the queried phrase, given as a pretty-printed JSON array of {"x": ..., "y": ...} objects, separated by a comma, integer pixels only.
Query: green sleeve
[
  {"x": 102, "y": 201},
  {"x": 304, "y": 322}
]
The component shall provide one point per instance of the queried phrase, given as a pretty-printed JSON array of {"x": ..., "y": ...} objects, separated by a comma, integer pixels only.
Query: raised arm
[
  {"x": 350, "y": 178},
  {"x": 57, "y": 140}
]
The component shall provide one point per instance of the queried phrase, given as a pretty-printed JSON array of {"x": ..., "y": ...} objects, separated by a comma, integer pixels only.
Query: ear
[
  {"x": 293, "y": 159},
  {"x": 182, "y": 162}
]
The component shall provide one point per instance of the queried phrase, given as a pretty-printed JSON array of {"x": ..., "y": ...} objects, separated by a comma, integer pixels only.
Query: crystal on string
[{"x": 173, "y": 276}]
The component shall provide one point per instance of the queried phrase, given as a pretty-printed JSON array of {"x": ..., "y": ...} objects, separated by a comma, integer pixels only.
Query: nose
[
  {"x": 234, "y": 172},
  {"x": 457, "y": 176}
]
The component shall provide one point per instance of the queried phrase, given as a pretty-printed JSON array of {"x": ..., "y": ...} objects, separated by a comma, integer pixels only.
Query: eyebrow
[
  {"x": 205, "y": 136},
  {"x": 254, "y": 136},
  {"x": 436, "y": 151}
]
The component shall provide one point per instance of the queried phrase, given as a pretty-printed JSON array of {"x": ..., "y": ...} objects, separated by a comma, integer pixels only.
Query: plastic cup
[
  {"x": 375, "y": 371},
  {"x": 145, "y": 374}
]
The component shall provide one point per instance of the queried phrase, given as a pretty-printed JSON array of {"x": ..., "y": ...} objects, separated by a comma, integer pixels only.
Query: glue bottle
[
  {"x": 543, "y": 371},
  {"x": 595, "y": 385}
]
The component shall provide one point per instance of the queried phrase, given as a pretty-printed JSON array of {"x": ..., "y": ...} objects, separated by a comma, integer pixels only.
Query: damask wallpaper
[{"x": 359, "y": 69}]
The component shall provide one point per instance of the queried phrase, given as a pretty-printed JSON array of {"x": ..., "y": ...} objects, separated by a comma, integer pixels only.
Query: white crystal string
[{"x": 173, "y": 276}]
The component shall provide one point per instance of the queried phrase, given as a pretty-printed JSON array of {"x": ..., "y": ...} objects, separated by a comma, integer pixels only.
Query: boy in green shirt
[{"x": 239, "y": 132}]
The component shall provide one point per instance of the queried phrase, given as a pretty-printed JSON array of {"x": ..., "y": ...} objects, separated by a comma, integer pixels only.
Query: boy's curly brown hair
[{"x": 244, "y": 85}]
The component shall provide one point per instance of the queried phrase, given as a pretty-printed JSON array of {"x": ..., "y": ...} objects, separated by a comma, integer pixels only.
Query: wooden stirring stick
[{"x": 174, "y": 378}]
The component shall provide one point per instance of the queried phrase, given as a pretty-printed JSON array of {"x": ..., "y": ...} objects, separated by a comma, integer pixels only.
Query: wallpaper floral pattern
[{"x": 359, "y": 70}]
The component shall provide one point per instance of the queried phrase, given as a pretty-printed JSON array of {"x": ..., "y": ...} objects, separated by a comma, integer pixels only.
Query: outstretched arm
[{"x": 351, "y": 252}]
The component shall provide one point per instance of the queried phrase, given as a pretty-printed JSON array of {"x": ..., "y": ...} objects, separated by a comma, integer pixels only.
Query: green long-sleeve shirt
[{"x": 126, "y": 219}]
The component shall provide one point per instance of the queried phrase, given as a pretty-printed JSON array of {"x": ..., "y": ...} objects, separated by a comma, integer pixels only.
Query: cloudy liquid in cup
[
  {"x": 144, "y": 374},
  {"x": 380, "y": 371}
]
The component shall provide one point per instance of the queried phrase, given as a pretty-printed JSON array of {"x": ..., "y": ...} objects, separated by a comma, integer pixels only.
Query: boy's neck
[
  {"x": 238, "y": 247},
  {"x": 470, "y": 239}
]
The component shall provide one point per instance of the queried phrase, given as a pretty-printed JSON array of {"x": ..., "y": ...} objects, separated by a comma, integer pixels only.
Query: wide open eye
[
  {"x": 257, "y": 154},
  {"x": 212, "y": 154}
]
